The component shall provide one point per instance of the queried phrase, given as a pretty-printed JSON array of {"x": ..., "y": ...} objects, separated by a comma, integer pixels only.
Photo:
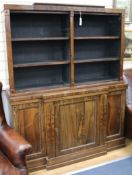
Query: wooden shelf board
[
  {"x": 41, "y": 64},
  {"x": 44, "y": 87},
  {"x": 96, "y": 60},
  {"x": 95, "y": 37},
  {"x": 64, "y": 62},
  {"x": 88, "y": 82},
  {"x": 40, "y": 39}
]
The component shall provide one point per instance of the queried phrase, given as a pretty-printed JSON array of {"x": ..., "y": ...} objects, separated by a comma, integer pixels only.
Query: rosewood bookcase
[{"x": 66, "y": 89}]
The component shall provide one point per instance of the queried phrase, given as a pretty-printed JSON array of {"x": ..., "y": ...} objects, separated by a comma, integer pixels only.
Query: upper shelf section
[
  {"x": 97, "y": 25},
  {"x": 39, "y": 26}
]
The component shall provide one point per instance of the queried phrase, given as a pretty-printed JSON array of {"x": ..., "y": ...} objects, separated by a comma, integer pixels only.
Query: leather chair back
[
  {"x": 2, "y": 114},
  {"x": 128, "y": 80},
  {"x": 128, "y": 112}
]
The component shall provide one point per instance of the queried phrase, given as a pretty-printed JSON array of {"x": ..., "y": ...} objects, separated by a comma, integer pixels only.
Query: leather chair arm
[{"x": 14, "y": 146}]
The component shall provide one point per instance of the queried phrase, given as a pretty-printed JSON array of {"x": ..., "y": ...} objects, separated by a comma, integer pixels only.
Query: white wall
[{"x": 4, "y": 77}]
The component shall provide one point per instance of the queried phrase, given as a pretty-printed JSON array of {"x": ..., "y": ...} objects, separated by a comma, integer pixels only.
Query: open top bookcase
[
  {"x": 67, "y": 93},
  {"x": 47, "y": 48}
]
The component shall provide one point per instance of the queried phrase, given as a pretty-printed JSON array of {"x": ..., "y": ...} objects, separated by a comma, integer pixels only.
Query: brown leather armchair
[
  {"x": 13, "y": 148},
  {"x": 128, "y": 115}
]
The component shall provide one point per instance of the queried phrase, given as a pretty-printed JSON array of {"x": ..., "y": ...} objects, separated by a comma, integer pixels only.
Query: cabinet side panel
[
  {"x": 27, "y": 121},
  {"x": 29, "y": 126}
]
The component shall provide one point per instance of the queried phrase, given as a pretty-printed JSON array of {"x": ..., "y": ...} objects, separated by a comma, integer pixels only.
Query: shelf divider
[{"x": 72, "y": 47}]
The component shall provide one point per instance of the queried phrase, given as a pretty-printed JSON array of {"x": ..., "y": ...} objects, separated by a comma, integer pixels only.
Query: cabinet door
[
  {"x": 115, "y": 120},
  {"x": 77, "y": 124},
  {"x": 28, "y": 122}
]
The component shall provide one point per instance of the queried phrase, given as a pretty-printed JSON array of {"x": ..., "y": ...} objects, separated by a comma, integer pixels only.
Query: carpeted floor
[{"x": 119, "y": 167}]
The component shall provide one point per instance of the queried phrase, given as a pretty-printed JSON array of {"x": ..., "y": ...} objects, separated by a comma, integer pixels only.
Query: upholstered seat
[{"x": 13, "y": 148}]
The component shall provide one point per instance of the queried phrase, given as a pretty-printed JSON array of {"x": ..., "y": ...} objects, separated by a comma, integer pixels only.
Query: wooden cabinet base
[{"x": 70, "y": 126}]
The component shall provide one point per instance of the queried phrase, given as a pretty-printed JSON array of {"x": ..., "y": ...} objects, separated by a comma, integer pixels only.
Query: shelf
[
  {"x": 63, "y": 62},
  {"x": 40, "y": 39},
  {"x": 38, "y": 64},
  {"x": 96, "y": 60},
  {"x": 95, "y": 37},
  {"x": 47, "y": 86},
  {"x": 64, "y": 38},
  {"x": 103, "y": 80}
]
